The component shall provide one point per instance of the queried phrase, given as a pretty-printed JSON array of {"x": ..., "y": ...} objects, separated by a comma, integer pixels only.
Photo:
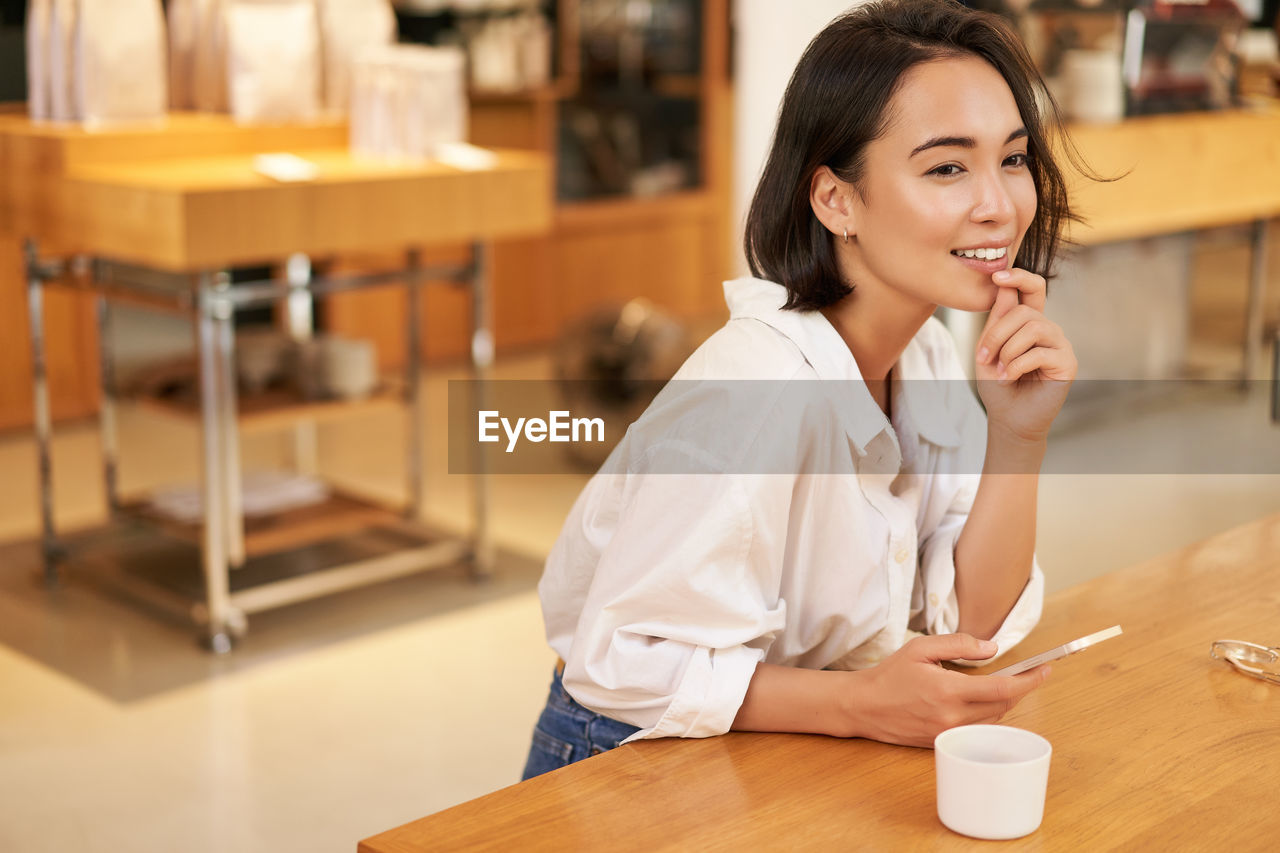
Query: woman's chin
[{"x": 977, "y": 300}]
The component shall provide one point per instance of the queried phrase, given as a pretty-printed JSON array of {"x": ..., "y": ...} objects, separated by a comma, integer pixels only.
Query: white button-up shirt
[{"x": 672, "y": 580}]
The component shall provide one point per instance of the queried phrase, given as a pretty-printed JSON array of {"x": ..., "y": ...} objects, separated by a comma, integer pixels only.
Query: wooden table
[{"x": 1156, "y": 746}]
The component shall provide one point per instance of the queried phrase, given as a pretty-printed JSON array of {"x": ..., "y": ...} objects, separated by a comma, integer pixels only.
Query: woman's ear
[{"x": 830, "y": 199}]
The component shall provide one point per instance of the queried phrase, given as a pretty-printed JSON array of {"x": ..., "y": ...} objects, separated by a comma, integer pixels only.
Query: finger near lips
[
  {"x": 1030, "y": 287},
  {"x": 1006, "y": 300}
]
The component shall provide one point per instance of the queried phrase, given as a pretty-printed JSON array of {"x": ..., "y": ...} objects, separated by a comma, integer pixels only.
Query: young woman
[{"x": 909, "y": 169}]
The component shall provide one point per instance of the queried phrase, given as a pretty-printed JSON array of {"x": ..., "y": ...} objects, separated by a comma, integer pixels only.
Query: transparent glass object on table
[{"x": 1249, "y": 658}]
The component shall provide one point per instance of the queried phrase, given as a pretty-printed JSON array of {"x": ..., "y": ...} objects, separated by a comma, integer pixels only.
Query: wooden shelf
[
  {"x": 280, "y": 409},
  {"x": 552, "y": 91},
  {"x": 614, "y": 212},
  {"x": 339, "y": 515}
]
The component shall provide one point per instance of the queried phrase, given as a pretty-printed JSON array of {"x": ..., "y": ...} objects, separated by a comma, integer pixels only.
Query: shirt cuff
[{"x": 710, "y": 694}]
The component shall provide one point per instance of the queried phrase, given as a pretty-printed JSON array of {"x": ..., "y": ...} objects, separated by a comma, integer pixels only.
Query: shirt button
[
  {"x": 902, "y": 555},
  {"x": 933, "y": 599}
]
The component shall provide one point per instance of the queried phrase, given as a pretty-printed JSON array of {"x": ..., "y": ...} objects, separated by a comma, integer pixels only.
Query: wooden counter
[
  {"x": 36, "y": 157},
  {"x": 212, "y": 212},
  {"x": 1184, "y": 172},
  {"x": 1156, "y": 746},
  {"x": 183, "y": 195}
]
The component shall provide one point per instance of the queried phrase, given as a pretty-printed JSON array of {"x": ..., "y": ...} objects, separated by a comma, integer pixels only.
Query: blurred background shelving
[
  {"x": 631, "y": 100},
  {"x": 634, "y": 109}
]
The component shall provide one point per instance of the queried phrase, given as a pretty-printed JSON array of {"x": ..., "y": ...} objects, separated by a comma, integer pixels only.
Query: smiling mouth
[{"x": 981, "y": 254}]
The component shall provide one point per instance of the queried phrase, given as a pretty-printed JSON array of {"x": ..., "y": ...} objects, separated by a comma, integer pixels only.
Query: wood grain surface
[
  {"x": 211, "y": 212},
  {"x": 183, "y": 195},
  {"x": 38, "y": 156},
  {"x": 1176, "y": 173},
  {"x": 1156, "y": 746}
]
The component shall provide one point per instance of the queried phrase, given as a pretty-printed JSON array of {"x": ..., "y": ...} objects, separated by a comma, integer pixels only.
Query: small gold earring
[{"x": 846, "y": 235}]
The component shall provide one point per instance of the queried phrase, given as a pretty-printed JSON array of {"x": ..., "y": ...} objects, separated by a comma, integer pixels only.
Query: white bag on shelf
[
  {"x": 37, "y": 34},
  {"x": 408, "y": 101},
  {"x": 436, "y": 100},
  {"x": 61, "y": 54},
  {"x": 273, "y": 61},
  {"x": 120, "y": 68},
  {"x": 347, "y": 27}
]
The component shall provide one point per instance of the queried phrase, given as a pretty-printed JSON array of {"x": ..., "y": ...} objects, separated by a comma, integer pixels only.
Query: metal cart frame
[{"x": 210, "y": 299}]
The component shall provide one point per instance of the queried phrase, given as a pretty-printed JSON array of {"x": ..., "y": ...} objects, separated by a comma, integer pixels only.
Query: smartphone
[{"x": 1061, "y": 651}]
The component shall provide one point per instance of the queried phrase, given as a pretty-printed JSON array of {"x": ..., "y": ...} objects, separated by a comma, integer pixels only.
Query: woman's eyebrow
[{"x": 960, "y": 142}]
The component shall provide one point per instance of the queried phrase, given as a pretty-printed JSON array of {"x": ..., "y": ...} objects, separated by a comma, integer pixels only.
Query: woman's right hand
[{"x": 909, "y": 698}]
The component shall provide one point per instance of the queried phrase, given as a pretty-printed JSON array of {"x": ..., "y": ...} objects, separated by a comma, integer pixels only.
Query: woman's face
[{"x": 948, "y": 176}]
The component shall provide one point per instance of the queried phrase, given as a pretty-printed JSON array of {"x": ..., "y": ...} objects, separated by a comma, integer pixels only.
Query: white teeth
[{"x": 982, "y": 254}]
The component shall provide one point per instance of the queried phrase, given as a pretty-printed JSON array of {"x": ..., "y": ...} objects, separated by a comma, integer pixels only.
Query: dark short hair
[{"x": 835, "y": 104}]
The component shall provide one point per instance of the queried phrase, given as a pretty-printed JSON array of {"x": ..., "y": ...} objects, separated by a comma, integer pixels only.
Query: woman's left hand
[{"x": 1024, "y": 364}]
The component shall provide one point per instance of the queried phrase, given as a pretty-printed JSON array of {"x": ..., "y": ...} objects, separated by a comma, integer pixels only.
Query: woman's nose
[{"x": 993, "y": 202}]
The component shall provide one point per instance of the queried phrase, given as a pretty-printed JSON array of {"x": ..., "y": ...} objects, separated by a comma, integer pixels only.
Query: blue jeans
[{"x": 567, "y": 732}]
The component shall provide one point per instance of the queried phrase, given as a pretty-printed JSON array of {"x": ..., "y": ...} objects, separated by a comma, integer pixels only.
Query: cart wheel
[{"x": 218, "y": 642}]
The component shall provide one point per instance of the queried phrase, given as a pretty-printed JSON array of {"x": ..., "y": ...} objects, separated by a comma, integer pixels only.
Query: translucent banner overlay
[{"x": 822, "y": 427}]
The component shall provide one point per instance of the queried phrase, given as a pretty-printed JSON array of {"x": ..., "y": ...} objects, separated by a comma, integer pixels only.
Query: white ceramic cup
[{"x": 991, "y": 780}]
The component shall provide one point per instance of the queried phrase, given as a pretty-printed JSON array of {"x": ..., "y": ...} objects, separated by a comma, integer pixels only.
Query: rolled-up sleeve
[{"x": 682, "y": 606}]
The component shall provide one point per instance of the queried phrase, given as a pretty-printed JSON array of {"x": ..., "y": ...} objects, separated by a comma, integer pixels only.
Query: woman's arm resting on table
[
  {"x": 1025, "y": 366},
  {"x": 908, "y": 699},
  {"x": 995, "y": 550}
]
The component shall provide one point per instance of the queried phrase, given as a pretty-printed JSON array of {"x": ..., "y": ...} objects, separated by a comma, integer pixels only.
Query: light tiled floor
[{"x": 343, "y": 717}]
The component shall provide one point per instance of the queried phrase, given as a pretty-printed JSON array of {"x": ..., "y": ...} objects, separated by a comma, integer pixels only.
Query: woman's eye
[
  {"x": 946, "y": 170},
  {"x": 1016, "y": 160}
]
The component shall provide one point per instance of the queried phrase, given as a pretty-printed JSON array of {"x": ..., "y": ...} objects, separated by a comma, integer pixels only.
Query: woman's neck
[{"x": 876, "y": 325}]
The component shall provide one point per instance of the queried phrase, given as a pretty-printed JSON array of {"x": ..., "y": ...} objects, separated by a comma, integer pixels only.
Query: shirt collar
[{"x": 824, "y": 349}]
